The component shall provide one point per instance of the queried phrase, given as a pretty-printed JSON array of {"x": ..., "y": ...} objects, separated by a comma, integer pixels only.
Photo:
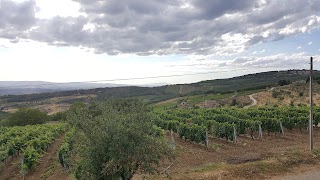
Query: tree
[
  {"x": 27, "y": 116},
  {"x": 117, "y": 141},
  {"x": 59, "y": 116},
  {"x": 283, "y": 82},
  {"x": 234, "y": 102}
]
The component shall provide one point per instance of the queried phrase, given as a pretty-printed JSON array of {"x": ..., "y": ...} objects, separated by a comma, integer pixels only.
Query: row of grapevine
[
  {"x": 28, "y": 141},
  {"x": 197, "y": 132},
  {"x": 65, "y": 151},
  {"x": 223, "y": 122}
]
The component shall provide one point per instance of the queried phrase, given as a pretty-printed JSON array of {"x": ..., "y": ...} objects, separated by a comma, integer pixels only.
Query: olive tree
[{"x": 116, "y": 140}]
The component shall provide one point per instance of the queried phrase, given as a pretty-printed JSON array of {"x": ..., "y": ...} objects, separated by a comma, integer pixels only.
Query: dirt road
[
  {"x": 312, "y": 174},
  {"x": 254, "y": 101}
]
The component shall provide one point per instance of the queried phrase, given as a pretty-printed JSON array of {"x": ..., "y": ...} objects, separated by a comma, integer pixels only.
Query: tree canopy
[
  {"x": 26, "y": 116},
  {"x": 117, "y": 139}
]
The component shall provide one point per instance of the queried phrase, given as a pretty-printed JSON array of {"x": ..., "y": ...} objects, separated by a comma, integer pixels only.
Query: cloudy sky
[{"x": 88, "y": 40}]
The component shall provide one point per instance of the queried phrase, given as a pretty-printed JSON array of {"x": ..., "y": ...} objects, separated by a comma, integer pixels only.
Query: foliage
[
  {"x": 283, "y": 82},
  {"x": 59, "y": 116},
  {"x": 275, "y": 94},
  {"x": 65, "y": 151},
  {"x": 118, "y": 141},
  {"x": 26, "y": 116},
  {"x": 221, "y": 122},
  {"x": 3, "y": 115},
  {"x": 30, "y": 141}
]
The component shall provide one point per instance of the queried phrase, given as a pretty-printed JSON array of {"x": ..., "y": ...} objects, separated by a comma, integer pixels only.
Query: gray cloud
[
  {"x": 15, "y": 18},
  {"x": 164, "y": 26}
]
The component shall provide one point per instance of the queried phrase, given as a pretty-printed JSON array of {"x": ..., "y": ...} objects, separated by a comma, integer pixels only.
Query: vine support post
[
  {"x": 281, "y": 127},
  {"x": 172, "y": 139},
  {"x": 260, "y": 131},
  {"x": 234, "y": 134},
  {"x": 22, "y": 169},
  {"x": 311, "y": 107},
  {"x": 207, "y": 138}
]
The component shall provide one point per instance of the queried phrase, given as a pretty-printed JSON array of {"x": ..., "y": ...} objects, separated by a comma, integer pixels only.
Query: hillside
[
  {"x": 31, "y": 87},
  {"x": 208, "y": 91}
]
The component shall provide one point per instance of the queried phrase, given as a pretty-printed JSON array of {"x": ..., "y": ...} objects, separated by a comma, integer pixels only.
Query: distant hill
[
  {"x": 32, "y": 87},
  {"x": 161, "y": 93}
]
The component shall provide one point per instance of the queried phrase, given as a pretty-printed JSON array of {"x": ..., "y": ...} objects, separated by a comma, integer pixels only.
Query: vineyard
[
  {"x": 30, "y": 142},
  {"x": 197, "y": 124},
  {"x": 222, "y": 126}
]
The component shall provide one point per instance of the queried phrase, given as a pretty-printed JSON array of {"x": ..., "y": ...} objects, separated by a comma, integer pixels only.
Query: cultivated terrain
[{"x": 200, "y": 121}]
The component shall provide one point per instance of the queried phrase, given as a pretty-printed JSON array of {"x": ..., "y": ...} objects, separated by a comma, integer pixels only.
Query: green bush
[
  {"x": 59, "y": 116},
  {"x": 27, "y": 117}
]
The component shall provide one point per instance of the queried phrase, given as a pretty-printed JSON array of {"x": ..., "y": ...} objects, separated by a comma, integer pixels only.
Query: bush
[
  {"x": 59, "y": 116},
  {"x": 275, "y": 94},
  {"x": 27, "y": 117}
]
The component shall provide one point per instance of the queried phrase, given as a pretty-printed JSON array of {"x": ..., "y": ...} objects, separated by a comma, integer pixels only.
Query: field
[
  {"x": 22, "y": 148},
  {"x": 212, "y": 135},
  {"x": 195, "y": 161},
  {"x": 197, "y": 158}
]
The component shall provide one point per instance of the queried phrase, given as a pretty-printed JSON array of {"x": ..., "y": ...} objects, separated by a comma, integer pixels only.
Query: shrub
[{"x": 27, "y": 116}]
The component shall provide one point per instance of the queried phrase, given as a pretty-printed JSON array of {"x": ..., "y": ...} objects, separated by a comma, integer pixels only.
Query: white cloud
[
  {"x": 310, "y": 43},
  {"x": 64, "y": 8}
]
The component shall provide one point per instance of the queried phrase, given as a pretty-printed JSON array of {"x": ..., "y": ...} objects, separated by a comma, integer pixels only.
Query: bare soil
[
  {"x": 303, "y": 172},
  {"x": 193, "y": 158},
  {"x": 196, "y": 161}
]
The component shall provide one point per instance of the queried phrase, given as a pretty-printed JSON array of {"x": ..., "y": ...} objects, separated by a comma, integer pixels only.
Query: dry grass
[
  {"x": 293, "y": 94},
  {"x": 264, "y": 169}
]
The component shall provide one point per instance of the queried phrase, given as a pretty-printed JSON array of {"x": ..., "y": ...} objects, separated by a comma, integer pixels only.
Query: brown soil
[
  {"x": 11, "y": 170},
  {"x": 193, "y": 157},
  {"x": 48, "y": 167},
  {"x": 50, "y": 105},
  {"x": 304, "y": 172},
  {"x": 193, "y": 161}
]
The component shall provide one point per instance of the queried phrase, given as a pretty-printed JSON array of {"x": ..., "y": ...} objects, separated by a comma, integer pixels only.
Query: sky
[{"x": 92, "y": 40}]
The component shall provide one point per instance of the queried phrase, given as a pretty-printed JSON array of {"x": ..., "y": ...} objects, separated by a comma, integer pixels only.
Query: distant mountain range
[
  {"x": 149, "y": 94},
  {"x": 32, "y": 87}
]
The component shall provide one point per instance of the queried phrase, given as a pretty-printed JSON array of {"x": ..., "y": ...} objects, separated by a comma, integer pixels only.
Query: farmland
[
  {"x": 211, "y": 135},
  {"x": 28, "y": 143}
]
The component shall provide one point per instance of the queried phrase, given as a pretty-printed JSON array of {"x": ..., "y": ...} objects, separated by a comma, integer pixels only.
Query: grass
[
  {"x": 209, "y": 167},
  {"x": 245, "y": 93},
  {"x": 262, "y": 169},
  {"x": 50, "y": 170},
  {"x": 195, "y": 99},
  {"x": 215, "y": 147},
  {"x": 201, "y": 98}
]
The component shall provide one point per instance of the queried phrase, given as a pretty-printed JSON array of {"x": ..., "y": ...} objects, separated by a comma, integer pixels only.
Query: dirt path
[
  {"x": 254, "y": 101},
  {"x": 46, "y": 161},
  {"x": 12, "y": 172},
  {"x": 302, "y": 173}
]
